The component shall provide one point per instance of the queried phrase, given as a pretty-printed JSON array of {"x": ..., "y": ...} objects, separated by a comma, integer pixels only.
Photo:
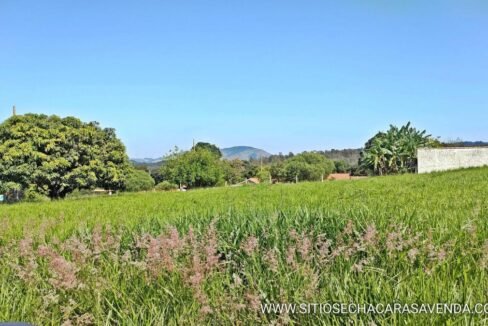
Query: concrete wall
[{"x": 441, "y": 159}]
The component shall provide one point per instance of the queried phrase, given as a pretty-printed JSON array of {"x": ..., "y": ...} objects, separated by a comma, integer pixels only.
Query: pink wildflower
[{"x": 250, "y": 244}]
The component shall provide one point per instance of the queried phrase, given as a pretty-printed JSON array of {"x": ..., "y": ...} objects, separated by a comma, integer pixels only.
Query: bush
[
  {"x": 139, "y": 180},
  {"x": 165, "y": 186},
  {"x": 196, "y": 168},
  {"x": 31, "y": 195},
  {"x": 307, "y": 166},
  {"x": 341, "y": 166}
]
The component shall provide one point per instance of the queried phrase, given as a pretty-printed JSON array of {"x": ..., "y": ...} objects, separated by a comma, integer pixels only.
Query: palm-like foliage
[{"x": 395, "y": 151}]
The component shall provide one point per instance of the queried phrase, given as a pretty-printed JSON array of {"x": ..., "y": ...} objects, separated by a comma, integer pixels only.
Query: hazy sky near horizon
[{"x": 278, "y": 75}]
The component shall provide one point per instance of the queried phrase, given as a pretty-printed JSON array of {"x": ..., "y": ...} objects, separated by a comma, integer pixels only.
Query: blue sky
[{"x": 278, "y": 75}]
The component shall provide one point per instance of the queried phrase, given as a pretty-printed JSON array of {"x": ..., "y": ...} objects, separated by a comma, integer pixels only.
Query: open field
[{"x": 214, "y": 255}]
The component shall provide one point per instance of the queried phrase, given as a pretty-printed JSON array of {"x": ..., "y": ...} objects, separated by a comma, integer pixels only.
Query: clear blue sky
[{"x": 279, "y": 75}]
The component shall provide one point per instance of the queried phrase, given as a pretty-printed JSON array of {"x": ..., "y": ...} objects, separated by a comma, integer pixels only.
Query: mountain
[
  {"x": 146, "y": 160},
  {"x": 231, "y": 153},
  {"x": 475, "y": 143},
  {"x": 243, "y": 153}
]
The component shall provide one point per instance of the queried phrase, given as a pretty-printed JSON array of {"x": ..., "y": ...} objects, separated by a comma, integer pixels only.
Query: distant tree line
[{"x": 50, "y": 157}]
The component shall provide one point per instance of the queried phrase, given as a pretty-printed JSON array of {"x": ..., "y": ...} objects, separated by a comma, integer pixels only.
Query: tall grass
[{"x": 214, "y": 256}]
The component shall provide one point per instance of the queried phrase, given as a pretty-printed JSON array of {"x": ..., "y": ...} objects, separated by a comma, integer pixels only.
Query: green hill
[{"x": 244, "y": 153}]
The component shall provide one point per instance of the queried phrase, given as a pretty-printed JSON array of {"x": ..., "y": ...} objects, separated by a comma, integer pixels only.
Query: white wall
[{"x": 441, "y": 159}]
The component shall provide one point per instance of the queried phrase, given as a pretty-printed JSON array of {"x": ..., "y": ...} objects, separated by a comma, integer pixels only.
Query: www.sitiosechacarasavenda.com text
[{"x": 375, "y": 309}]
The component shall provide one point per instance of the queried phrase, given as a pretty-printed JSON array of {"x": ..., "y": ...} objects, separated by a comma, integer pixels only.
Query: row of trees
[
  {"x": 50, "y": 156},
  {"x": 203, "y": 167},
  {"x": 393, "y": 151}
]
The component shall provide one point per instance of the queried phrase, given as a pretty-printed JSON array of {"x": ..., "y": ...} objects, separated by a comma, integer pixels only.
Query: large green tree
[
  {"x": 307, "y": 166},
  {"x": 195, "y": 168},
  {"x": 54, "y": 156},
  {"x": 139, "y": 180},
  {"x": 210, "y": 147},
  {"x": 395, "y": 151}
]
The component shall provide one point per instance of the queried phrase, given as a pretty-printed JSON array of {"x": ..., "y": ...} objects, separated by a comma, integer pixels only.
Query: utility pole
[{"x": 14, "y": 111}]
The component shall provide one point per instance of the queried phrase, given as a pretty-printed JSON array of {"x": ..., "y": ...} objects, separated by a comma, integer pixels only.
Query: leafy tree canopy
[
  {"x": 195, "y": 168},
  {"x": 53, "y": 155},
  {"x": 139, "y": 180},
  {"x": 307, "y": 166},
  {"x": 210, "y": 147},
  {"x": 395, "y": 151}
]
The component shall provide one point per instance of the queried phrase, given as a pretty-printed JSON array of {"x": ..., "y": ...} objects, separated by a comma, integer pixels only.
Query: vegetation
[
  {"x": 165, "y": 186},
  {"x": 395, "y": 151},
  {"x": 214, "y": 256},
  {"x": 199, "y": 167},
  {"x": 53, "y": 156},
  {"x": 139, "y": 180},
  {"x": 341, "y": 166},
  {"x": 209, "y": 147},
  {"x": 307, "y": 166}
]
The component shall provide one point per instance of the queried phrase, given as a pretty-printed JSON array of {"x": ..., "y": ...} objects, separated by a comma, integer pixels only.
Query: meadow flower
[
  {"x": 153, "y": 257},
  {"x": 304, "y": 247},
  {"x": 370, "y": 236},
  {"x": 50, "y": 299},
  {"x": 211, "y": 250},
  {"x": 67, "y": 311},
  {"x": 65, "y": 273},
  {"x": 271, "y": 259},
  {"x": 313, "y": 282},
  {"x": 293, "y": 234},
  {"x": 250, "y": 245},
  {"x": 412, "y": 254},
  {"x": 126, "y": 257},
  {"x": 78, "y": 250},
  {"x": 26, "y": 270},
  {"x": 441, "y": 255},
  {"x": 85, "y": 319},
  {"x": 290, "y": 256},
  {"x": 484, "y": 255},
  {"x": 391, "y": 242},
  {"x": 237, "y": 280},
  {"x": 97, "y": 239},
  {"x": 142, "y": 241},
  {"x": 323, "y": 247},
  {"x": 348, "y": 230},
  {"x": 358, "y": 267},
  {"x": 25, "y": 247},
  {"x": 206, "y": 310},
  {"x": 174, "y": 242},
  {"x": 45, "y": 251},
  {"x": 253, "y": 300}
]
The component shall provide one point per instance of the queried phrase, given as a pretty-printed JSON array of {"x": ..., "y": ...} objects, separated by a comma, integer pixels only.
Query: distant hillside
[
  {"x": 465, "y": 144},
  {"x": 146, "y": 160},
  {"x": 350, "y": 155},
  {"x": 243, "y": 153}
]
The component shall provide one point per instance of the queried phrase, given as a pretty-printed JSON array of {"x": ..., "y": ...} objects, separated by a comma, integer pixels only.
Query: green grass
[{"x": 441, "y": 216}]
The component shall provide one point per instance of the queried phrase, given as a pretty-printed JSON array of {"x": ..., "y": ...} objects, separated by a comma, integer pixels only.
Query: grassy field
[{"x": 214, "y": 256}]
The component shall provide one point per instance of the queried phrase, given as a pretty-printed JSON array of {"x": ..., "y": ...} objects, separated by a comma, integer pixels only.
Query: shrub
[
  {"x": 139, "y": 180},
  {"x": 31, "y": 195},
  {"x": 166, "y": 186}
]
